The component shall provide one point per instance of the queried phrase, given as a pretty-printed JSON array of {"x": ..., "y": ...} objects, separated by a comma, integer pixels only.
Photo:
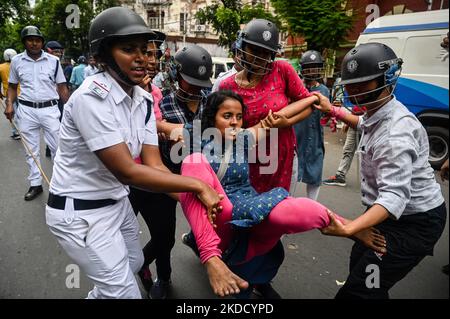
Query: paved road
[{"x": 33, "y": 265}]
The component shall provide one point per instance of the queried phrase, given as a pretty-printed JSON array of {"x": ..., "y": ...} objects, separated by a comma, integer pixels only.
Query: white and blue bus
[{"x": 423, "y": 85}]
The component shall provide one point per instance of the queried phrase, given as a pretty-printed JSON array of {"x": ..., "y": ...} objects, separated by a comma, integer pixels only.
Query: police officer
[
  {"x": 312, "y": 67},
  {"x": 42, "y": 83},
  {"x": 8, "y": 54},
  {"x": 309, "y": 132},
  {"x": 191, "y": 71},
  {"x": 154, "y": 53},
  {"x": 139, "y": 198},
  {"x": 107, "y": 123},
  {"x": 398, "y": 187},
  {"x": 268, "y": 86},
  {"x": 54, "y": 48}
]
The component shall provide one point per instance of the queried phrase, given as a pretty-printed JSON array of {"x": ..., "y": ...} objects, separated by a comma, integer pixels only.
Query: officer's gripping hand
[
  {"x": 211, "y": 199},
  {"x": 324, "y": 104}
]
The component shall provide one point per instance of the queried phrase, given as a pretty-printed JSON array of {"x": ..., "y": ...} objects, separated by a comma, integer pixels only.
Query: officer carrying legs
[{"x": 398, "y": 187}]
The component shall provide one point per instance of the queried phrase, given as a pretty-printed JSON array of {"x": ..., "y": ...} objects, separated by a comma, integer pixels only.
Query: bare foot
[
  {"x": 222, "y": 280},
  {"x": 372, "y": 238}
]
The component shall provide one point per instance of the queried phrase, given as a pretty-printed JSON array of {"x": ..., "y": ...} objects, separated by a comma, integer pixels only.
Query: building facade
[{"x": 176, "y": 18}]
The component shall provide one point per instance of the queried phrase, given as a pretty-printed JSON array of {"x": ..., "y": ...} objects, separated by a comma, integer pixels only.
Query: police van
[{"x": 423, "y": 85}]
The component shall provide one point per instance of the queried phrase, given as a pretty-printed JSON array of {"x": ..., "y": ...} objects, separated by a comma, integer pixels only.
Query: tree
[
  {"x": 323, "y": 24},
  {"x": 227, "y": 16},
  {"x": 67, "y": 24},
  {"x": 56, "y": 20},
  {"x": 14, "y": 15},
  {"x": 12, "y": 9}
]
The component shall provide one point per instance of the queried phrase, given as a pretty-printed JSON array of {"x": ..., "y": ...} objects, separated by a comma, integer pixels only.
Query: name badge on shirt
[{"x": 99, "y": 89}]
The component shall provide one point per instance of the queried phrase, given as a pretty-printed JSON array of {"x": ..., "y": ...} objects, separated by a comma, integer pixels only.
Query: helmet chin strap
[{"x": 113, "y": 65}]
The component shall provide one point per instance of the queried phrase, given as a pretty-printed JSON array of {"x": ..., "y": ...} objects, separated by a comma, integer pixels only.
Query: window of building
[
  {"x": 183, "y": 19},
  {"x": 155, "y": 18}
]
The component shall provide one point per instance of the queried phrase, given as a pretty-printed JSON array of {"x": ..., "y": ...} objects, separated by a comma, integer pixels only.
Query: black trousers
[
  {"x": 408, "y": 239},
  {"x": 159, "y": 213}
]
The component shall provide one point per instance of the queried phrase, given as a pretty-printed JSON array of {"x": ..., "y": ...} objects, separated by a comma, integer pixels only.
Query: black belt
[
  {"x": 39, "y": 105},
  {"x": 59, "y": 202}
]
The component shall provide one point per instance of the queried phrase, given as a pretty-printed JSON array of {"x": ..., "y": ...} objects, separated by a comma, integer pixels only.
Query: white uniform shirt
[
  {"x": 395, "y": 172},
  {"x": 99, "y": 114},
  {"x": 37, "y": 78}
]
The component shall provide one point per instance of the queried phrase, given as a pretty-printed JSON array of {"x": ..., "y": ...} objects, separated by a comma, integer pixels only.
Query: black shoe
[
  {"x": 47, "y": 152},
  {"x": 189, "y": 240},
  {"x": 334, "y": 181},
  {"x": 33, "y": 192},
  {"x": 146, "y": 278},
  {"x": 445, "y": 269},
  {"x": 266, "y": 291},
  {"x": 160, "y": 289},
  {"x": 15, "y": 136}
]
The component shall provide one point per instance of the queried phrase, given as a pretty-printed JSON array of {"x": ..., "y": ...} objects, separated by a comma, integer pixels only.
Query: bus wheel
[{"x": 438, "y": 140}]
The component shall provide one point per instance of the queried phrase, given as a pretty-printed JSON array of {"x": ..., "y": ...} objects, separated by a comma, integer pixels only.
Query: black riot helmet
[
  {"x": 113, "y": 24},
  {"x": 264, "y": 35},
  {"x": 116, "y": 22},
  {"x": 370, "y": 61},
  {"x": 194, "y": 64},
  {"x": 312, "y": 65},
  {"x": 31, "y": 31}
]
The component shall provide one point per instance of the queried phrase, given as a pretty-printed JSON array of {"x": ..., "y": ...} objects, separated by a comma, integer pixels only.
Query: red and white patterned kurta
[{"x": 276, "y": 90}]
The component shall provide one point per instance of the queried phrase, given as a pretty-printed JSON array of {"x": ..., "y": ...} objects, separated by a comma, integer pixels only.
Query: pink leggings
[{"x": 292, "y": 215}]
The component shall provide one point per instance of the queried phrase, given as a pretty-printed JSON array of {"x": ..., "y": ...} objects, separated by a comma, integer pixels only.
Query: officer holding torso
[
  {"x": 42, "y": 84},
  {"x": 108, "y": 122}
]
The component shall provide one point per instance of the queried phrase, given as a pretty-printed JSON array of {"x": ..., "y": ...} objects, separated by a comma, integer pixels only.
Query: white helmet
[{"x": 9, "y": 54}]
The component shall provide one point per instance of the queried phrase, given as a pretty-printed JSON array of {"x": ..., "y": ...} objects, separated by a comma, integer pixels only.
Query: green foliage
[
  {"x": 14, "y": 15},
  {"x": 12, "y": 9},
  {"x": 324, "y": 24},
  {"x": 227, "y": 16},
  {"x": 50, "y": 16}
]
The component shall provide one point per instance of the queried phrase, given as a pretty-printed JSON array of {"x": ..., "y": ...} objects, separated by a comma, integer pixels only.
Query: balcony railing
[
  {"x": 157, "y": 2},
  {"x": 156, "y": 22}
]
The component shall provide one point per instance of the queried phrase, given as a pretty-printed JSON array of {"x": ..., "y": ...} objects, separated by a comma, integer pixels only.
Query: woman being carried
[{"x": 253, "y": 221}]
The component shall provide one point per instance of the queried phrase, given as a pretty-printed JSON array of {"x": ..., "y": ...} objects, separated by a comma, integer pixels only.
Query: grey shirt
[{"x": 395, "y": 172}]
